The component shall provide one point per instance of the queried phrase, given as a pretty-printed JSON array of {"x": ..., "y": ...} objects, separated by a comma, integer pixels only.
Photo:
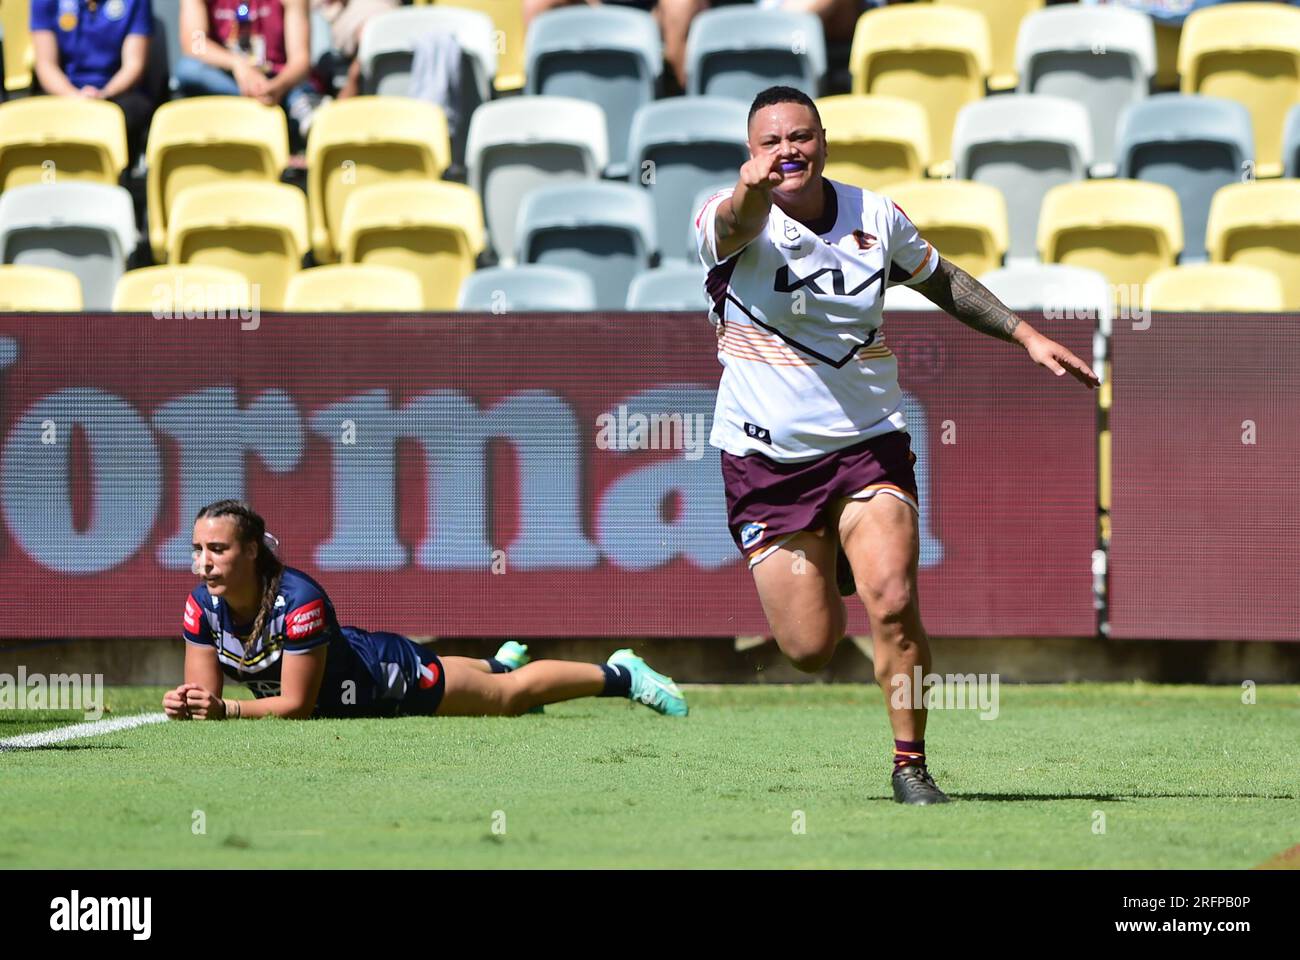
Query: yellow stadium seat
[
  {"x": 256, "y": 229},
  {"x": 508, "y": 18},
  {"x": 355, "y": 288},
  {"x": 1003, "y": 18},
  {"x": 1215, "y": 288},
  {"x": 172, "y": 290},
  {"x": 15, "y": 18},
  {"x": 875, "y": 141},
  {"x": 38, "y": 289},
  {"x": 45, "y": 139},
  {"x": 1124, "y": 229},
  {"x": 432, "y": 229},
  {"x": 965, "y": 221},
  {"x": 1249, "y": 52},
  {"x": 363, "y": 141},
  {"x": 936, "y": 57},
  {"x": 202, "y": 139},
  {"x": 1258, "y": 224}
]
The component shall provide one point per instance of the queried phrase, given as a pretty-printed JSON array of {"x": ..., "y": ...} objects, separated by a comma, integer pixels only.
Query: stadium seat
[
  {"x": 1103, "y": 57},
  {"x": 508, "y": 20},
  {"x": 965, "y": 221},
  {"x": 257, "y": 229},
  {"x": 1124, "y": 229},
  {"x": 1215, "y": 288},
  {"x": 1003, "y": 18},
  {"x": 682, "y": 146},
  {"x": 363, "y": 141},
  {"x": 354, "y": 288},
  {"x": 1023, "y": 144},
  {"x": 1192, "y": 144},
  {"x": 1258, "y": 224},
  {"x": 1054, "y": 289},
  {"x": 85, "y": 228},
  {"x": 202, "y": 139},
  {"x": 388, "y": 45},
  {"x": 47, "y": 139},
  {"x": 1291, "y": 144},
  {"x": 528, "y": 287},
  {"x": 938, "y": 57},
  {"x": 167, "y": 22},
  {"x": 737, "y": 51},
  {"x": 432, "y": 229},
  {"x": 611, "y": 56},
  {"x": 38, "y": 289},
  {"x": 605, "y": 230},
  {"x": 173, "y": 288},
  {"x": 15, "y": 24},
  {"x": 902, "y": 297},
  {"x": 521, "y": 143},
  {"x": 875, "y": 141},
  {"x": 1248, "y": 52},
  {"x": 670, "y": 287}
]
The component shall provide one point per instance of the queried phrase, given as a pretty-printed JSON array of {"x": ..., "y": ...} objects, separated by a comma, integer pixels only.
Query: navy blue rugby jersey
[{"x": 365, "y": 673}]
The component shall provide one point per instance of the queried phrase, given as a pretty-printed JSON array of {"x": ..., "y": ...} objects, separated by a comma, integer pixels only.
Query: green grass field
[{"x": 1184, "y": 776}]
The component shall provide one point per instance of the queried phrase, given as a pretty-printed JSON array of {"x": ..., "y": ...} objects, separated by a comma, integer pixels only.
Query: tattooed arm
[{"x": 955, "y": 291}]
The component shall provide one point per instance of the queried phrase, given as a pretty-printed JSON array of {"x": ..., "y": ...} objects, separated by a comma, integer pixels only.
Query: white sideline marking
[{"x": 28, "y": 741}]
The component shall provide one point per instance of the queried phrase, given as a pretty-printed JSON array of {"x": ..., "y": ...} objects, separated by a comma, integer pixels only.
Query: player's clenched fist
[{"x": 762, "y": 172}]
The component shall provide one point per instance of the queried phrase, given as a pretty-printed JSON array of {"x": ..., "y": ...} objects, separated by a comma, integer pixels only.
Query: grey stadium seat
[
  {"x": 672, "y": 287},
  {"x": 681, "y": 146},
  {"x": 522, "y": 143},
  {"x": 1191, "y": 143},
  {"x": 1291, "y": 143},
  {"x": 612, "y": 56},
  {"x": 737, "y": 51},
  {"x": 1103, "y": 57},
  {"x": 605, "y": 230},
  {"x": 1023, "y": 144},
  {"x": 529, "y": 287},
  {"x": 388, "y": 43},
  {"x": 85, "y": 228}
]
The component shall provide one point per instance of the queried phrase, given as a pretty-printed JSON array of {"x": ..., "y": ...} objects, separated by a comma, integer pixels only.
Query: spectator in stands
[
  {"x": 674, "y": 17},
  {"x": 250, "y": 48},
  {"x": 85, "y": 48},
  {"x": 839, "y": 18},
  {"x": 347, "y": 18}
]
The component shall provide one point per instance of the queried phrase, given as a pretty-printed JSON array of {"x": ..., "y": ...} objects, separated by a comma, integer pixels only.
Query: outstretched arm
[{"x": 954, "y": 290}]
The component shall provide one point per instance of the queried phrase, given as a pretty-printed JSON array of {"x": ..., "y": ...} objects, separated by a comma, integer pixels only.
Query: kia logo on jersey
[{"x": 782, "y": 283}]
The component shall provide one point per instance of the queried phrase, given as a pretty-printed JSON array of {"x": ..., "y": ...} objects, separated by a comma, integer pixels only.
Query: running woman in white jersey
[{"x": 816, "y": 458}]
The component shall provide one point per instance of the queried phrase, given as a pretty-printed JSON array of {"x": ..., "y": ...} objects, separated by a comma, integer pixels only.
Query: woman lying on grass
[{"x": 272, "y": 627}]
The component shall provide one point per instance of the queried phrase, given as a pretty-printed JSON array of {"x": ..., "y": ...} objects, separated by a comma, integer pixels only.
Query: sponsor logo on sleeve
[
  {"x": 429, "y": 674},
  {"x": 192, "y": 615},
  {"x": 306, "y": 621}
]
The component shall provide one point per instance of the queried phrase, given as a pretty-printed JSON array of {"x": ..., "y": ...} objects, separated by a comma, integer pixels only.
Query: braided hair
[{"x": 251, "y": 528}]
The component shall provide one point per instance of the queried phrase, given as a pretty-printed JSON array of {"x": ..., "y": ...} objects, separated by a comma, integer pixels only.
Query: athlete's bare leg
[
  {"x": 471, "y": 663},
  {"x": 470, "y": 692},
  {"x": 882, "y": 542},
  {"x": 796, "y": 586},
  {"x": 675, "y": 18}
]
